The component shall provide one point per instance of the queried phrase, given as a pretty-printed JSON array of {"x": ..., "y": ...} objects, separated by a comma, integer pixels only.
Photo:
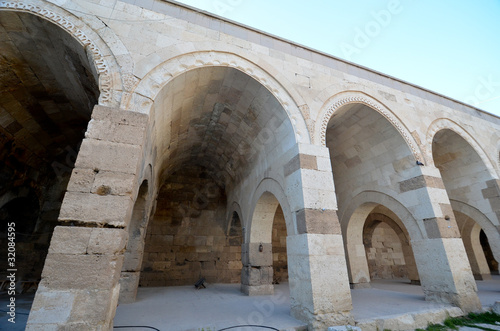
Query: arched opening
[
  {"x": 476, "y": 244},
  {"x": 215, "y": 132},
  {"x": 48, "y": 89},
  {"x": 280, "y": 261},
  {"x": 490, "y": 258},
  {"x": 388, "y": 248},
  {"x": 265, "y": 255},
  {"x": 468, "y": 182},
  {"x": 214, "y": 127},
  {"x": 367, "y": 154}
]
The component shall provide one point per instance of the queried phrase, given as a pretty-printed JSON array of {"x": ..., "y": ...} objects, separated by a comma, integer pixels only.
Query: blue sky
[{"x": 448, "y": 46}]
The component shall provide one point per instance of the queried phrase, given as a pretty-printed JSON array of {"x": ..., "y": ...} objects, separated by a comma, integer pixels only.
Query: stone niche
[{"x": 189, "y": 236}]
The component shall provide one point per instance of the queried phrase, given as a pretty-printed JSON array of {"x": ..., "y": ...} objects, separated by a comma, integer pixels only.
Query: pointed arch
[
  {"x": 447, "y": 124},
  {"x": 141, "y": 100},
  {"x": 268, "y": 194},
  {"x": 489, "y": 228},
  {"x": 100, "y": 54},
  {"x": 344, "y": 98}
]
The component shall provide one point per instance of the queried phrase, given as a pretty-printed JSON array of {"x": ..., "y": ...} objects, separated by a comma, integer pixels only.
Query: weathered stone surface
[
  {"x": 93, "y": 208},
  {"x": 81, "y": 180},
  {"x": 439, "y": 227},
  {"x": 129, "y": 282},
  {"x": 107, "y": 241},
  {"x": 81, "y": 271},
  {"x": 120, "y": 116},
  {"x": 70, "y": 240},
  {"x": 101, "y": 155},
  {"x": 317, "y": 221},
  {"x": 114, "y": 183}
]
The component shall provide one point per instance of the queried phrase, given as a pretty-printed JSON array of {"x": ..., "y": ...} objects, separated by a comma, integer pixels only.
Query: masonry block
[
  {"x": 94, "y": 208},
  {"x": 81, "y": 180},
  {"x": 113, "y": 183},
  {"x": 317, "y": 221},
  {"x": 107, "y": 241},
  {"x": 102, "y": 155},
  {"x": 70, "y": 240},
  {"x": 251, "y": 254},
  {"x": 81, "y": 271}
]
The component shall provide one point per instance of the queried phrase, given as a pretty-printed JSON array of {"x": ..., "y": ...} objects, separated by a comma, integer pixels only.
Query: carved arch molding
[{"x": 102, "y": 68}]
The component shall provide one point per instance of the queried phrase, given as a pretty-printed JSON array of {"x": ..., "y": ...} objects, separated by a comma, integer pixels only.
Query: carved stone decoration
[
  {"x": 105, "y": 83},
  {"x": 374, "y": 105}
]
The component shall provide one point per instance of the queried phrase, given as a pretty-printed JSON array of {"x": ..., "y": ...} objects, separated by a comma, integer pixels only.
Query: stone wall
[
  {"x": 188, "y": 236},
  {"x": 385, "y": 255},
  {"x": 280, "y": 263}
]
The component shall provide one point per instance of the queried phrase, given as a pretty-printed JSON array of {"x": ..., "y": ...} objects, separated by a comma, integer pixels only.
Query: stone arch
[
  {"x": 97, "y": 49},
  {"x": 445, "y": 123},
  {"x": 141, "y": 100},
  {"x": 484, "y": 222},
  {"x": 257, "y": 250},
  {"x": 352, "y": 223},
  {"x": 374, "y": 220},
  {"x": 348, "y": 97},
  {"x": 266, "y": 197},
  {"x": 470, "y": 233},
  {"x": 368, "y": 198}
]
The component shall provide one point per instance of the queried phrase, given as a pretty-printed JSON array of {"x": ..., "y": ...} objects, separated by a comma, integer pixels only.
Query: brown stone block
[
  {"x": 490, "y": 192},
  {"x": 301, "y": 161},
  {"x": 93, "y": 208},
  {"x": 317, "y": 221},
  {"x": 446, "y": 210},
  {"x": 411, "y": 184},
  {"x": 421, "y": 181},
  {"x": 63, "y": 271},
  {"x": 108, "y": 156},
  {"x": 70, "y": 240},
  {"x": 438, "y": 227}
]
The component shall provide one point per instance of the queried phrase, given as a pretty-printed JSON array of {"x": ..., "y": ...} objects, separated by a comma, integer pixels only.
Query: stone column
[
  {"x": 317, "y": 269},
  {"x": 442, "y": 263},
  {"x": 79, "y": 288},
  {"x": 257, "y": 272},
  {"x": 80, "y": 280}
]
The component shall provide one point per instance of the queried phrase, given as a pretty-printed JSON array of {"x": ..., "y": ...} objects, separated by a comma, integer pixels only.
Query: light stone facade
[{"x": 161, "y": 92}]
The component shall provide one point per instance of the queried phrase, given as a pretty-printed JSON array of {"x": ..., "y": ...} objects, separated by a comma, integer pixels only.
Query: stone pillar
[
  {"x": 442, "y": 263},
  {"x": 257, "y": 272},
  {"x": 317, "y": 269},
  {"x": 80, "y": 280},
  {"x": 79, "y": 288}
]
